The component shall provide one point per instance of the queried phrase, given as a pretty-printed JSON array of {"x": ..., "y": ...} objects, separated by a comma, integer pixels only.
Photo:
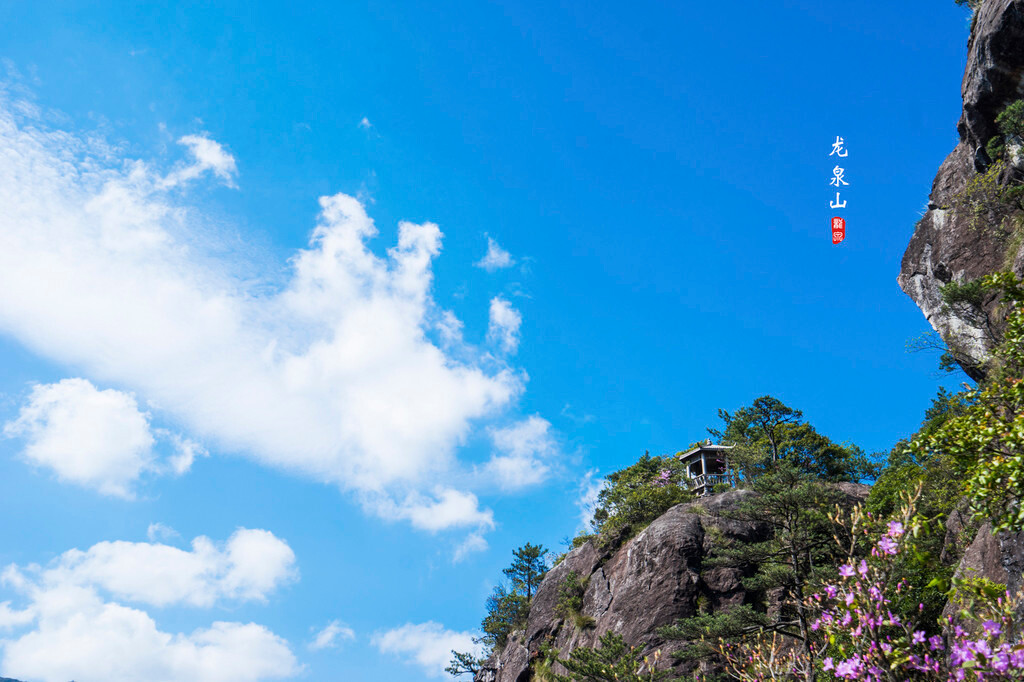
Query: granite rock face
[
  {"x": 946, "y": 246},
  {"x": 651, "y": 581},
  {"x": 998, "y": 557},
  {"x": 654, "y": 579}
]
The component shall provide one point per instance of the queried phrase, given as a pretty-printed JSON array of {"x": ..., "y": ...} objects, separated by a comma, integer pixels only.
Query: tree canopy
[{"x": 769, "y": 431}]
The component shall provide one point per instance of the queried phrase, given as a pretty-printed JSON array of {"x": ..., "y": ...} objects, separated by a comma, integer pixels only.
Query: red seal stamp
[{"x": 838, "y": 229}]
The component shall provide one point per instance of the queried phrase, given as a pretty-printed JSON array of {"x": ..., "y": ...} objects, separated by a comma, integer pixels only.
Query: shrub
[
  {"x": 864, "y": 631},
  {"x": 989, "y": 198},
  {"x": 1010, "y": 120},
  {"x": 570, "y": 600},
  {"x": 612, "y": 661},
  {"x": 985, "y": 440},
  {"x": 637, "y": 495}
]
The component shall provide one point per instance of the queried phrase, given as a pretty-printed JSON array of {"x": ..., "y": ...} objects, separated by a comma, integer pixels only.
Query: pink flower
[
  {"x": 846, "y": 570},
  {"x": 887, "y": 545},
  {"x": 992, "y": 627},
  {"x": 895, "y": 529}
]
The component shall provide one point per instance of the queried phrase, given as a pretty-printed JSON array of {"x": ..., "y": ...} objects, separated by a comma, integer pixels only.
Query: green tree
[
  {"x": 761, "y": 423},
  {"x": 798, "y": 553},
  {"x": 769, "y": 431},
  {"x": 463, "y": 664},
  {"x": 528, "y": 569},
  {"x": 984, "y": 439},
  {"x": 638, "y": 494},
  {"x": 506, "y": 611},
  {"x": 612, "y": 661},
  {"x": 508, "y": 607}
]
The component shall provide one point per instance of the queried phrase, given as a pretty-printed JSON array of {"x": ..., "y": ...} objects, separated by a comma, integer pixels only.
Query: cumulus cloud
[
  {"x": 428, "y": 645},
  {"x": 496, "y": 257},
  {"x": 330, "y": 373},
  {"x": 522, "y": 453},
  {"x": 249, "y": 566},
  {"x": 446, "y": 508},
  {"x": 74, "y": 627},
  {"x": 97, "y": 439},
  {"x": 503, "y": 327},
  {"x": 331, "y": 636}
]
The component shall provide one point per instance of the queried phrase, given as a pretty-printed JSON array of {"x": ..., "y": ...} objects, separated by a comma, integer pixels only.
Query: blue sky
[{"x": 360, "y": 428}]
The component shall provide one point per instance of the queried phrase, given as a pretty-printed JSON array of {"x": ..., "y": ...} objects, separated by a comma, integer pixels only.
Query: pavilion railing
[{"x": 708, "y": 481}]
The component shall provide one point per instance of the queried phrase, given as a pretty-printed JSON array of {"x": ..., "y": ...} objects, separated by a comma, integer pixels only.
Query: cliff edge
[{"x": 949, "y": 245}]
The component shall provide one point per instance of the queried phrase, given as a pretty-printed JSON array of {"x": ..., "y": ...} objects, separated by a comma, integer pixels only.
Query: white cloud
[
  {"x": 474, "y": 542},
  {"x": 590, "y": 488},
  {"x": 73, "y": 628},
  {"x": 159, "y": 531},
  {"x": 428, "y": 645},
  {"x": 249, "y": 566},
  {"x": 365, "y": 124},
  {"x": 77, "y": 631},
  {"x": 447, "y": 508},
  {"x": 496, "y": 257},
  {"x": 97, "y": 439},
  {"x": 10, "y": 618},
  {"x": 524, "y": 451},
  {"x": 186, "y": 451},
  {"x": 333, "y": 634},
  {"x": 503, "y": 327},
  {"x": 330, "y": 373},
  {"x": 207, "y": 155}
]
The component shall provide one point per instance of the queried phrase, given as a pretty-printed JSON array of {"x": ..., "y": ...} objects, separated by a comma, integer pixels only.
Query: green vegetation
[
  {"x": 570, "y": 600},
  {"x": 966, "y": 458},
  {"x": 983, "y": 438},
  {"x": 612, "y": 661},
  {"x": 1010, "y": 123},
  {"x": 994, "y": 199},
  {"x": 798, "y": 554},
  {"x": 527, "y": 570},
  {"x": 769, "y": 431},
  {"x": 507, "y": 608},
  {"x": 636, "y": 495}
]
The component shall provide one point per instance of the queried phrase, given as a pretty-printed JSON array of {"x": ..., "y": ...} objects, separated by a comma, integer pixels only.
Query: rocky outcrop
[
  {"x": 651, "y": 581},
  {"x": 998, "y": 557},
  {"x": 948, "y": 245}
]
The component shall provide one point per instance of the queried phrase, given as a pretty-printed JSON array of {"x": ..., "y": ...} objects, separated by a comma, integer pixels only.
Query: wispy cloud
[
  {"x": 503, "y": 326},
  {"x": 496, "y": 257},
  {"x": 333, "y": 634},
  {"x": 590, "y": 487}
]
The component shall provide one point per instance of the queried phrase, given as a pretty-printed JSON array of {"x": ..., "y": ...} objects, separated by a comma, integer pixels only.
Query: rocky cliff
[
  {"x": 949, "y": 244},
  {"x": 652, "y": 580}
]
